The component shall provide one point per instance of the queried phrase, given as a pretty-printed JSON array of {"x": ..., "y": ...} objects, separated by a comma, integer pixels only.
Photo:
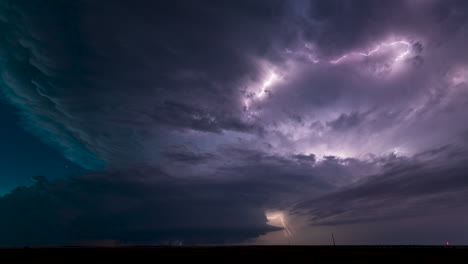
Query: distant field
[{"x": 238, "y": 254}]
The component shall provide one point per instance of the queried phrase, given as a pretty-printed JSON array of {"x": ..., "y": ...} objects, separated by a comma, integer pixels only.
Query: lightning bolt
[
  {"x": 400, "y": 56},
  {"x": 268, "y": 82},
  {"x": 272, "y": 77},
  {"x": 286, "y": 229}
]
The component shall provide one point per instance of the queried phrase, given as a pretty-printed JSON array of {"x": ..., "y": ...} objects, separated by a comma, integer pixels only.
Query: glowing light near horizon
[
  {"x": 279, "y": 217},
  {"x": 322, "y": 151}
]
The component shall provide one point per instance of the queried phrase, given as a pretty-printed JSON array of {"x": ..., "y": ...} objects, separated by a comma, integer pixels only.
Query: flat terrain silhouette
[{"x": 238, "y": 254}]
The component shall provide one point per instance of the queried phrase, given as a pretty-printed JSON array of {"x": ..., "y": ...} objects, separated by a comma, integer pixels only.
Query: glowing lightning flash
[
  {"x": 279, "y": 216},
  {"x": 262, "y": 89},
  {"x": 400, "y": 56},
  {"x": 267, "y": 83}
]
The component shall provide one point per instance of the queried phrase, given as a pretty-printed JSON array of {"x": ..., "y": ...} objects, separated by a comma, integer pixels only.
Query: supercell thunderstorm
[{"x": 200, "y": 120}]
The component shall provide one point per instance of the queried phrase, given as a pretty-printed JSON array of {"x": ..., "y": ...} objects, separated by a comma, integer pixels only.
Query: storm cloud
[
  {"x": 336, "y": 111},
  {"x": 138, "y": 206},
  {"x": 432, "y": 182}
]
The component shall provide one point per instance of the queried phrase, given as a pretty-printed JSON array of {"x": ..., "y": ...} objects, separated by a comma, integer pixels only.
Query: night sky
[{"x": 186, "y": 122}]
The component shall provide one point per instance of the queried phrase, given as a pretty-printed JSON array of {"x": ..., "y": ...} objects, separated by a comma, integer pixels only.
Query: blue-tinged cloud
[{"x": 39, "y": 62}]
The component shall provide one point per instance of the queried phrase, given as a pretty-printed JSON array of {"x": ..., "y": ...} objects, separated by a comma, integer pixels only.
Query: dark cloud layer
[
  {"x": 136, "y": 206},
  {"x": 432, "y": 182},
  {"x": 105, "y": 76},
  {"x": 242, "y": 106},
  {"x": 147, "y": 205}
]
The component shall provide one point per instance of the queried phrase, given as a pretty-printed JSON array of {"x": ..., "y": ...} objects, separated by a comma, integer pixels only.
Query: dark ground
[{"x": 239, "y": 254}]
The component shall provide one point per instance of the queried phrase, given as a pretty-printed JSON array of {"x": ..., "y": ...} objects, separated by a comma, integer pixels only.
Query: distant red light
[{"x": 447, "y": 243}]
